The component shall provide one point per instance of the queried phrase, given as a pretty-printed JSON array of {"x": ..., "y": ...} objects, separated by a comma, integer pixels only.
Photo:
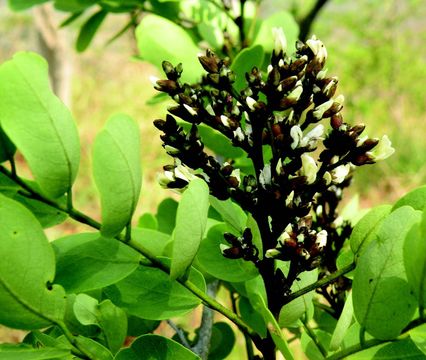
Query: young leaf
[
  {"x": 281, "y": 19},
  {"x": 87, "y": 261},
  {"x": 26, "y": 352},
  {"x": 93, "y": 348},
  {"x": 147, "y": 347},
  {"x": 191, "y": 219},
  {"x": 230, "y": 212},
  {"x": 166, "y": 215},
  {"x": 38, "y": 123},
  {"x": 27, "y": 300},
  {"x": 272, "y": 326},
  {"x": 415, "y": 198},
  {"x": 343, "y": 324},
  {"x": 382, "y": 299},
  {"x": 222, "y": 341},
  {"x": 415, "y": 260},
  {"x": 213, "y": 262},
  {"x": 364, "y": 231},
  {"x": 160, "y": 39},
  {"x": 150, "y": 294},
  {"x": 89, "y": 29},
  {"x": 244, "y": 63},
  {"x": 117, "y": 172},
  {"x": 295, "y": 309},
  {"x": 418, "y": 336}
]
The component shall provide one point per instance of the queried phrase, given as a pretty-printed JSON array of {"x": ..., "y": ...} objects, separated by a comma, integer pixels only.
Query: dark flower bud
[
  {"x": 209, "y": 63},
  {"x": 168, "y": 69},
  {"x": 362, "y": 159},
  {"x": 336, "y": 121},
  {"x": 274, "y": 76},
  {"x": 357, "y": 129},
  {"x": 159, "y": 124},
  {"x": 298, "y": 65},
  {"x": 287, "y": 83},
  {"x": 168, "y": 86},
  {"x": 369, "y": 144}
]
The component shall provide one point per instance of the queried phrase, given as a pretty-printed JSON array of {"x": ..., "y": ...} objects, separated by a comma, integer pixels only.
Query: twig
[
  {"x": 314, "y": 338},
  {"x": 320, "y": 283},
  {"x": 179, "y": 332}
]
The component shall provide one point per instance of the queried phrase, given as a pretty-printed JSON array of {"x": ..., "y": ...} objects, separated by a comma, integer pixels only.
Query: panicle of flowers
[{"x": 293, "y": 108}]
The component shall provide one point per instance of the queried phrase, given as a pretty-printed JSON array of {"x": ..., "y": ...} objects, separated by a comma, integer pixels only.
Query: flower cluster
[{"x": 289, "y": 123}]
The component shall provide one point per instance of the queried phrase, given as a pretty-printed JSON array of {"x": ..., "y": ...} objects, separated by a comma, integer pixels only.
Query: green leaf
[
  {"x": 382, "y": 299},
  {"x": 148, "y": 221},
  {"x": 73, "y": 6},
  {"x": 149, "y": 293},
  {"x": 272, "y": 326},
  {"x": 294, "y": 310},
  {"x": 415, "y": 260},
  {"x": 418, "y": 336},
  {"x": 191, "y": 219},
  {"x": 244, "y": 62},
  {"x": 343, "y": 324},
  {"x": 415, "y": 198},
  {"x": 117, "y": 172},
  {"x": 138, "y": 326},
  {"x": 47, "y": 215},
  {"x": 7, "y": 149},
  {"x": 222, "y": 341},
  {"x": 86, "y": 309},
  {"x": 402, "y": 349},
  {"x": 257, "y": 237},
  {"x": 310, "y": 348},
  {"x": 87, "y": 261},
  {"x": 24, "y": 4},
  {"x": 364, "y": 231},
  {"x": 113, "y": 322},
  {"x": 166, "y": 215},
  {"x": 151, "y": 240},
  {"x": 213, "y": 262},
  {"x": 251, "y": 317},
  {"x": 73, "y": 324},
  {"x": 231, "y": 213},
  {"x": 281, "y": 19},
  {"x": 27, "y": 300},
  {"x": 89, "y": 29},
  {"x": 38, "y": 123},
  {"x": 148, "y": 347},
  {"x": 95, "y": 350},
  {"x": 160, "y": 39},
  {"x": 22, "y": 352}
]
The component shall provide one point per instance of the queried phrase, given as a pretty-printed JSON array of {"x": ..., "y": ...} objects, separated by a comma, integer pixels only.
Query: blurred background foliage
[{"x": 375, "y": 47}]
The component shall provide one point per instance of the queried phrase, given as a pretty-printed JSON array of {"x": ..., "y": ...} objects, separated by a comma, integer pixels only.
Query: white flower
[
  {"x": 236, "y": 174},
  {"x": 279, "y": 166},
  {"x": 296, "y": 92},
  {"x": 190, "y": 110},
  {"x": 280, "y": 41},
  {"x": 321, "y": 75},
  {"x": 250, "y": 102},
  {"x": 297, "y": 135},
  {"x": 272, "y": 253},
  {"x": 269, "y": 68},
  {"x": 382, "y": 150},
  {"x": 289, "y": 199},
  {"x": 317, "y": 48},
  {"x": 321, "y": 240},
  {"x": 309, "y": 168},
  {"x": 321, "y": 109},
  {"x": 210, "y": 110},
  {"x": 224, "y": 120},
  {"x": 238, "y": 134},
  {"x": 313, "y": 136},
  {"x": 265, "y": 177},
  {"x": 361, "y": 140},
  {"x": 327, "y": 178},
  {"x": 153, "y": 79},
  {"x": 338, "y": 174},
  {"x": 171, "y": 150},
  {"x": 283, "y": 237}
]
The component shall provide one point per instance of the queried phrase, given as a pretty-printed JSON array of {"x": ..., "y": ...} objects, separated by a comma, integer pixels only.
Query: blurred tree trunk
[
  {"x": 55, "y": 48},
  {"x": 306, "y": 23}
]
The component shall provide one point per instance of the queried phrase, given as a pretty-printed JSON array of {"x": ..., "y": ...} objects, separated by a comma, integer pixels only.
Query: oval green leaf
[
  {"x": 415, "y": 259},
  {"x": 415, "y": 198},
  {"x": 117, "y": 172},
  {"x": 38, "y": 123},
  {"x": 191, "y": 220},
  {"x": 418, "y": 336},
  {"x": 151, "y": 240},
  {"x": 244, "y": 62},
  {"x": 382, "y": 298},
  {"x": 147, "y": 347},
  {"x": 25, "y": 352},
  {"x": 92, "y": 348},
  {"x": 222, "y": 341},
  {"x": 364, "y": 231},
  {"x": 213, "y": 262},
  {"x": 27, "y": 300},
  {"x": 343, "y": 324},
  {"x": 160, "y": 39},
  {"x": 231, "y": 213},
  {"x": 149, "y": 293},
  {"x": 87, "y": 261}
]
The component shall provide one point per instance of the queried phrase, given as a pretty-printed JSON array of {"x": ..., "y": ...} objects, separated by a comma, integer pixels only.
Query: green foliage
[{"x": 84, "y": 294}]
